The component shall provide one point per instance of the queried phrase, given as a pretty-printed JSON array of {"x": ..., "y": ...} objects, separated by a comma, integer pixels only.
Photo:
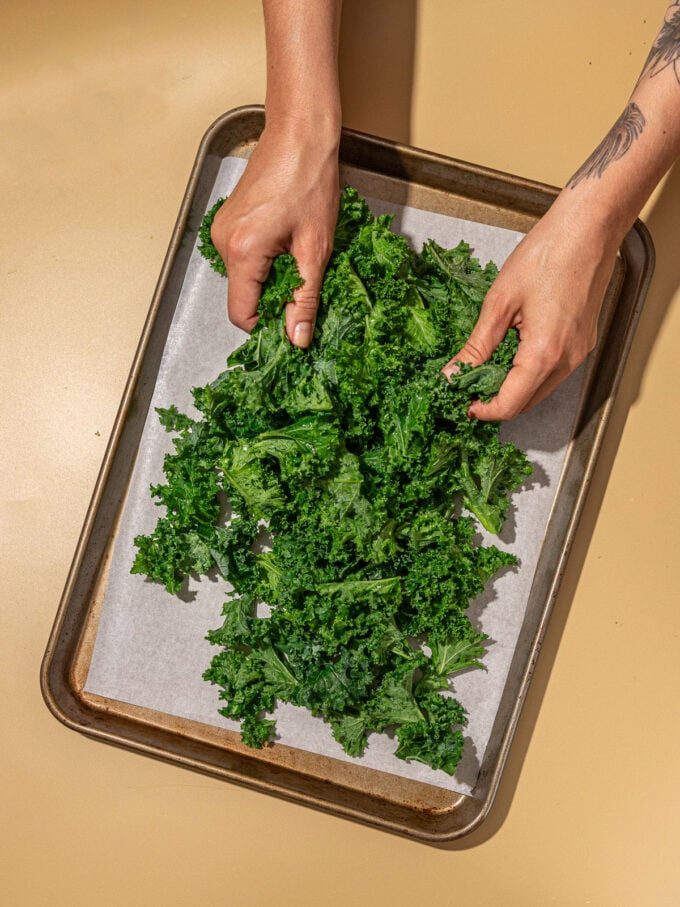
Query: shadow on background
[
  {"x": 377, "y": 50},
  {"x": 664, "y": 225}
]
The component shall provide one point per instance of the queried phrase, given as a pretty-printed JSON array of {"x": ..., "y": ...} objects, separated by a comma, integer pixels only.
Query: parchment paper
[{"x": 150, "y": 648}]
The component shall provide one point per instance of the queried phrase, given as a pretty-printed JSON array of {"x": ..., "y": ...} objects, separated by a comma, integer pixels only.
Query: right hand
[{"x": 286, "y": 201}]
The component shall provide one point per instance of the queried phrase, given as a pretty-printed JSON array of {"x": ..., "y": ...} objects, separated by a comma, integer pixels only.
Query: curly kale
[
  {"x": 205, "y": 243},
  {"x": 353, "y": 455}
]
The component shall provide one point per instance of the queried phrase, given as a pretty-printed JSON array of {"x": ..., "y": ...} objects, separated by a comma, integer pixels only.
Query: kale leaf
[{"x": 353, "y": 455}]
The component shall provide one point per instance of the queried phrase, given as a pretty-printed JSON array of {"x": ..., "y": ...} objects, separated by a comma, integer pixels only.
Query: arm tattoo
[
  {"x": 613, "y": 146},
  {"x": 665, "y": 51}
]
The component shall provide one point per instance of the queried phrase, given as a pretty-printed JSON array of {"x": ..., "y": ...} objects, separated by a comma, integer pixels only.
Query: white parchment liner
[{"x": 150, "y": 648}]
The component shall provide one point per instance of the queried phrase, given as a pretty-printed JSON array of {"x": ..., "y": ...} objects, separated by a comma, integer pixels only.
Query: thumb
[
  {"x": 301, "y": 312},
  {"x": 492, "y": 326}
]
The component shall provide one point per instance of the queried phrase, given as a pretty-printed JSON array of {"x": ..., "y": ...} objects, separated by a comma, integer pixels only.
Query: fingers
[
  {"x": 312, "y": 255},
  {"x": 539, "y": 368},
  {"x": 494, "y": 320},
  {"x": 243, "y": 296},
  {"x": 247, "y": 272},
  {"x": 248, "y": 266},
  {"x": 522, "y": 382},
  {"x": 568, "y": 361},
  {"x": 549, "y": 385}
]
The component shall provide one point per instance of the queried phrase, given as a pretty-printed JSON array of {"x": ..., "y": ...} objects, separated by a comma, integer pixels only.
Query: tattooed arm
[
  {"x": 665, "y": 52},
  {"x": 552, "y": 286}
]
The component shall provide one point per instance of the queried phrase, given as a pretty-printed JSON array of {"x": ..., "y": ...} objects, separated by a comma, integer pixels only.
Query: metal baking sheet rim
[{"x": 464, "y": 813}]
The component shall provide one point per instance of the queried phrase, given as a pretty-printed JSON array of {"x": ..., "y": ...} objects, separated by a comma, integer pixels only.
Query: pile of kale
[{"x": 350, "y": 457}]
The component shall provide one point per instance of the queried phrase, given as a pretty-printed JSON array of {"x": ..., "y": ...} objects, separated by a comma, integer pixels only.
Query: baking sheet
[{"x": 150, "y": 648}]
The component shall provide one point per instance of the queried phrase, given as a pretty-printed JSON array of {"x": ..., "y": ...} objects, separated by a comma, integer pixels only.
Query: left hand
[{"x": 551, "y": 289}]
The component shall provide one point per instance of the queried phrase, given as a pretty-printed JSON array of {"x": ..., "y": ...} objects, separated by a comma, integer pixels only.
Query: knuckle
[
  {"x": 323, "y": 249},
  {"x": 239, "y": 246},
  {"x": 237, "y": 314},
  {"x": 216, "y": 235},
  {"x": 508, "y": 412},
  {"x": 306, "y": 300},
  {"x": 475, "y": 349},
  {"x": 547, "y": 354},
  {"x": 499, "y": 301},
  {"x": 219, "y": 229},
  {"x": 235, "y": 317},
  {"x": 580, "y": 351},
  {"x": 316, "y": 249},
  {"x": 577, "y": 356}
]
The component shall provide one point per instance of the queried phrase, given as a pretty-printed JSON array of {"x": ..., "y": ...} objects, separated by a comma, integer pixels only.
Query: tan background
[{"x": 102, "y": 106}]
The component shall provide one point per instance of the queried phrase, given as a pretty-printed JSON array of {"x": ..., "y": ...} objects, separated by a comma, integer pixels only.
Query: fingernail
[
  {"x": 451, "y": 368},
  {"x": 302, "y": 335}
]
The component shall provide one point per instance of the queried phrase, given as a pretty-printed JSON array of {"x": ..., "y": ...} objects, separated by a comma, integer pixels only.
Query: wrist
[
  {"x": 313, "y": 124},
  {"x": 596, "y": 214}
]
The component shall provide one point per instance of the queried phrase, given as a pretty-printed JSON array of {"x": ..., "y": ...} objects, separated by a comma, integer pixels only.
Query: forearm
[
  {"x": 552, "y": 286},
  {"x": 614, "y": 183},
  {"x": 287, "y": 198},
  {"x": 302, "y": 74}
]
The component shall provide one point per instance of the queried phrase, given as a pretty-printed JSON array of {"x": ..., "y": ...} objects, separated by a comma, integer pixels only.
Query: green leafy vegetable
[
  {"x": 353, "y": 455},
  {"x": 205, "y": 243}
]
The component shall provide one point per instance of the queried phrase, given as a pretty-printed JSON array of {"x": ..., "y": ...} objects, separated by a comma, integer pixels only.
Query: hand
[
  {"x": 286, "y": 201},
  {"x": 551, "y": 289}
]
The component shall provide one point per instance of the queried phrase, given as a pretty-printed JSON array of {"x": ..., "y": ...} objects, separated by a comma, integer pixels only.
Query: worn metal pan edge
[{"x": 64, "y": 702}]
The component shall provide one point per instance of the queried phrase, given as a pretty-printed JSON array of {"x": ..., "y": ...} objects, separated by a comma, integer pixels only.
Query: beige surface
[{"x": 102, "y": 106}]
